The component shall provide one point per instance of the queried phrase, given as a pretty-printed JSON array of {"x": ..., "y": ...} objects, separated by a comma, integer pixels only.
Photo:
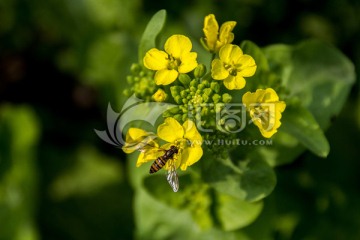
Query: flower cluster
[{"x": 172, "y": 74}]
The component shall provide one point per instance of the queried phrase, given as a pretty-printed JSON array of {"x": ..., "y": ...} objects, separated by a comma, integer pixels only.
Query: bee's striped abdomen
[{"x": 158, "y": 164}]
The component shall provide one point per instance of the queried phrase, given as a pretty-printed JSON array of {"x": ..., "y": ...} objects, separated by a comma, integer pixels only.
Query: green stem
[{"x": 212, "y": 58}]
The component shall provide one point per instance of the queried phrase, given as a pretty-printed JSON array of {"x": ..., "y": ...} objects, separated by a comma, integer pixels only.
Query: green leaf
[
  {"x": 20, "y": 172},
  {"x": 234, "y": 213},
  {"x": 299, "y": 122},
  {"x": 279, "y": 57},
  {"x": 251, "y": 180},
  {"x": 193, "y": 196},
  {"x": 317, "y": 73},
  {"x": 152, "y": 30}
]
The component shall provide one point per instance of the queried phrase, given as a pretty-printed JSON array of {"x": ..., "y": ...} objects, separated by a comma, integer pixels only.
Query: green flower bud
[
  {"x": 142, "y": 73},
  {"x": 193, "y": 89},
  {"x": 130, "y": 79},
  {"x": 193, "y": 83},
  {"x": 200, "y": 70},
  {"x": 127, "y": 92},
  {"x": 205, "y": 83},
  {"x": 205, "y": 98},
  {"x": 178, "y": 99},
  {"x": 135, "y": 68},
  {"x": 183, "y": 94},
  {"x": 216, "y": 98},
  {"x": 178, "y": 117},
  {"x": 175, "y": 90},
  {"x": 226, "y": 98},
  {"x": 184, "y": 100},
  {"x": 167, "y": 114},
  {"x": 207, "y": 91},
  {"x": 184, "y": 79},
  {"x": 184, "y": 117},
  {"x": 215, "y": 87},
  {"x": 174, "y": 110},
  {"x": 204, "y": 111},
  {"x": 201, "y": 86},
  {"x": 183, "y": 108}
]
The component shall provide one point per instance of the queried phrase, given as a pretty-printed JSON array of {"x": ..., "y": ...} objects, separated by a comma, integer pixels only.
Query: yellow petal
[
  {"x": 225, "y": 35},
  {"x": 135, "y": 133},
  {"x": 267, "y": 134},
  {"x": 188, "y": 62},
  {"x": 248, "y": 98},
  {"x": 230, "y": 53},
  {"x": 234, "y": 82},
  {"x": 189, "y": 156},
  {"x": 165, "y": 76},
  {"x": 176, "y": 45},
  {"x": 155, "y": 59},
  {"x": 211, "y": 30},
  {"x": 273, "y": 123},
  {"x": 218, "y": 71},
  {"x": 248, "y": 66},
  {"x": 170, "y": 130},
  {"x": 191, "y": 133},
  {"x": 270, "y": 95},
  {"x": 280, "y": 106}
]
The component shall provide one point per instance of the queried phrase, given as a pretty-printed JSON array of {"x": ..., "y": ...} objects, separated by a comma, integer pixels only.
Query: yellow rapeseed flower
[
  {"x": 186, "y": 137},
  {"x": 265, "y": 110},
  {"x": 232, "y": 67},
  {"x": 176, "y": 59},
  {"x": 214, "y": 39}
]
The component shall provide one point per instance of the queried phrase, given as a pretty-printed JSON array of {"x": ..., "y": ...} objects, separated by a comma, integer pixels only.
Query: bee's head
[{"x": 175, "y": 149}]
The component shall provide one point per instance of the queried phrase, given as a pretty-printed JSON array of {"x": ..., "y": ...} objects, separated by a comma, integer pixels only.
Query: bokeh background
[{"x": 61, "y": 62}]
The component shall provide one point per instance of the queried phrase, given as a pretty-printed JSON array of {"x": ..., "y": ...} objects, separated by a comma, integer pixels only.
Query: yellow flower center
[
  {"x": 262, "y": 114},
  {"x": 173, "y": 63},
  {"x": 231, "y": 69},
  {"x": 181, "y": 143}
]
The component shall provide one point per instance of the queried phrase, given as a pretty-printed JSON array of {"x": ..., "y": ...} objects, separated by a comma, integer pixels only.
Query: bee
[
  {"x": 147, "y": 145},
  {"x": 160, "y": 162}
]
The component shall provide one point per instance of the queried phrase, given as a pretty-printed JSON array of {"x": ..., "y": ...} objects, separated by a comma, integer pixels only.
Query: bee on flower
[{"x": 183, "y": 147}]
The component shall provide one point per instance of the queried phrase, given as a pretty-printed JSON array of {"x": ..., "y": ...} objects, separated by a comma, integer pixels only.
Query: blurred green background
[{"x": 61, "y": 62}]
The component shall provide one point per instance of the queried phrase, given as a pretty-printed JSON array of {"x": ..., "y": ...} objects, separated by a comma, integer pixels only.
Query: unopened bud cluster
[{"x": 140, "y": 83}]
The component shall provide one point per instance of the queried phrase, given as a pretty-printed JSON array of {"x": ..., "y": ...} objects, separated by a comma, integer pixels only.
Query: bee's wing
[{"x": 172, "y": 176}]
